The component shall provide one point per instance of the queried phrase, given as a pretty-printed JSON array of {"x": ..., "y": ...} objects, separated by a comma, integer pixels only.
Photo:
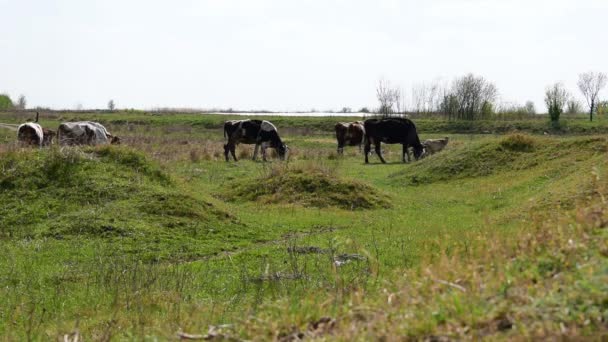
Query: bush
[{"x": 5, "y": 102}]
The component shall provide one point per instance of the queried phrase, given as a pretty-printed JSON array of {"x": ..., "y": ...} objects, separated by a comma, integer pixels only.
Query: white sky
[{"x": 289, "y": 54}]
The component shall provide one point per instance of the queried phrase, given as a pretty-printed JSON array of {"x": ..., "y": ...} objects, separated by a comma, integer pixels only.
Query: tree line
[{"x": 472, "y": 97}]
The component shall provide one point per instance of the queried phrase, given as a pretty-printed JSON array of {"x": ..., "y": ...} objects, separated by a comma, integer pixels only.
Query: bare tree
[
  {"x": 401, "y": 101},
  {"x": 111, "y": 105},
  {"x": 590, "y": 84},
  {"x": 573, "y": 107},
  {"x": 530, "y": 108},
  {"x": 427, "y": 97},
  {"x": 388, "y": 96},
  {"x": 21, "y": 102},
  {"x": 556, "y": 97}
]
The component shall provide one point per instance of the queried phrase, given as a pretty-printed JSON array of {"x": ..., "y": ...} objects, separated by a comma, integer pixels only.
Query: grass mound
[
  {"x": 511, "y": 153},
  {"x": 310, "y": 185},
  {"x": 518, "y": 142},
  {"x": 103, "y": 193}
]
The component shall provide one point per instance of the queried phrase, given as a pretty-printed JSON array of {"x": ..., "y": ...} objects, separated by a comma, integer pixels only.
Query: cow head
[
  {"x": 419, "y": 152},
  {"x": 115, "y": 140},
  {"x": 282, "y": 151}
]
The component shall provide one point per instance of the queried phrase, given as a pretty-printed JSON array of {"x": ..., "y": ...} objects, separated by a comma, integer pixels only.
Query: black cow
[
  {"x": 392, "y": 131},
  {"x": 256, "y": 132}
]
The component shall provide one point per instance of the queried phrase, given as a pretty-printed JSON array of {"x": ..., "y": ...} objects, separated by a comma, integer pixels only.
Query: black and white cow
[
  {"x": 259, "y": 132},
  {"x": 392, "y": 131}
]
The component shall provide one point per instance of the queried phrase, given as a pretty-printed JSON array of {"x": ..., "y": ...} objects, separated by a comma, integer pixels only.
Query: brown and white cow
[
  {"x": 349, "y": 134},
  {"x": 259, "y": 132},
  {"x": 84, "y": 133}
]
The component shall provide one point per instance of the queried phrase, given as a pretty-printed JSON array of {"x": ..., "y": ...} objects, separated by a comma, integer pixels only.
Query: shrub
[
  {"x": 517, "y": 142},
  {"x": 5, "y": 102}
]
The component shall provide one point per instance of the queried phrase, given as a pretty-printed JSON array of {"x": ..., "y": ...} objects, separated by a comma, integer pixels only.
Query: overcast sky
[{"x": 289, "y": 54}]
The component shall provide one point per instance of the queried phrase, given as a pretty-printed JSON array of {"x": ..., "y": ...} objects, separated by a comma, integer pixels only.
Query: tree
[
  {"x": 364, "y": 110},
  {"x": 449, "y": 106},
  {"x": 346, "y": 110},
  {"x": 590, "y": 84},
  {"x": 427, "y": 98},
  {"x": 388, "y": 96},
  {"x": 555, "y": 98},
  {"x": 21, "y": 102},
  {"x": 111, "y": 105},
  {"x": 602, "y": 108},
  {"x": 573, "y": 107},
  {"x": 530, "y": 108},
  {"x": 5, "y": 102},
  {"x": 474, "y": 95}
]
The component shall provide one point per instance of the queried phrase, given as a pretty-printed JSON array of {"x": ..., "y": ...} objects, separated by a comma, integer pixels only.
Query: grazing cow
[
  {"x": 432, "y": 146},
  {"x": 47, "y": 138},
  {"x": 256, "y": 132},
  {"x": 30, "y": 133},
  {"x": 84, "y": 133},
  {"x": 349, "y": 134},
  {"x": 392, "y": 131}
]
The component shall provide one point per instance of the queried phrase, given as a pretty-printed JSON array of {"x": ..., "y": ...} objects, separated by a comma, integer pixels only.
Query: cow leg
[
  {"x": 367, "y": 149},
  {"x": 233, "y": 151},
  {"x": 406, "y": 152},
  {"x": 226, "y": 150},
  {"x": 255, "y": 151},
  {"x": 264, "y": 152},
  {"x": 378, "y": 149}
]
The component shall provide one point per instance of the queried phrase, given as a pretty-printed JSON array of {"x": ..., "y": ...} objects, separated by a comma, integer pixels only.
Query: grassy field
[{"x": 498, "y": 236}]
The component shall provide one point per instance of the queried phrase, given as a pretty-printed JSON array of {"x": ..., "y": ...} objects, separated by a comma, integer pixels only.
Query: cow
[
  {"x": 349, "y": 134},
  {"x": 47, "y": 136},
  {"x": 432, "y": 146},
  {"x": 84, "y": 133},
  {"x": 392, "y": 131},
  {"x": 30, "y": 133},
  {"x": 258, "y": 132}
]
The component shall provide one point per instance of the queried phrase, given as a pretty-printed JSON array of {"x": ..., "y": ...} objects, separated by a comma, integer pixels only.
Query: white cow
[
  {"x": 85, "y": 133},
  {"x": 30, "y": 133}
]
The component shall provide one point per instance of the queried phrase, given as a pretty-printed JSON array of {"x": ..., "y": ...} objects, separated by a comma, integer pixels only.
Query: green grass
[
  {"x": 108, "y": 193},
  {"x": 140, "y": 242},
  {"x": 309, "y": 185}
]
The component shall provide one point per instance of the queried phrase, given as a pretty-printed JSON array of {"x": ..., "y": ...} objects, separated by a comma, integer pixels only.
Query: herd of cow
[
  {"x": 68, "y": 133},
  {"x": 262, "y": 133},
  {"x": 371, "y": 131}
]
